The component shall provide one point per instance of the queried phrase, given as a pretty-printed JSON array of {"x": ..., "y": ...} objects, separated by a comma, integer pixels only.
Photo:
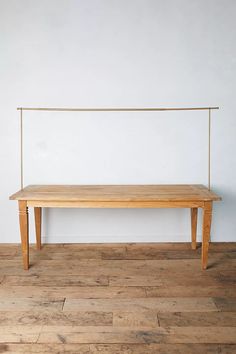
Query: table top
[{"x": 148, "y": 192}]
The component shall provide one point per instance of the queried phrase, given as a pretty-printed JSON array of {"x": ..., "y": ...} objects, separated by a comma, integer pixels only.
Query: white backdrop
[{"x": 118, "y": 53}]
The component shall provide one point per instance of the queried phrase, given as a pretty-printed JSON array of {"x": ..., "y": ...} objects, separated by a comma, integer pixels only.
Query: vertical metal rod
[
  {"x": 209, "y": 149},
  {"x": 21, "y": 149}
]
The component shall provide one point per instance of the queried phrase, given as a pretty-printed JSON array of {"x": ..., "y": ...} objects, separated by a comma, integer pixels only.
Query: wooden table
[{"x": 191, "y": 196}]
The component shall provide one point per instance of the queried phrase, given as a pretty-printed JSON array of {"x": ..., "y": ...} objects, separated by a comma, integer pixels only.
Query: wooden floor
[{"x": 124, "y": 298}]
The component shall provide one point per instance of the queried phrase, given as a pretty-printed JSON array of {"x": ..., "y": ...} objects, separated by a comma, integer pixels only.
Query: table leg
[
  {"x": 206, "y": 229},
  {"x": 194, "y": 212},
  {"x": 24, "y": 231},
  {"x": 38, "y": 219}
]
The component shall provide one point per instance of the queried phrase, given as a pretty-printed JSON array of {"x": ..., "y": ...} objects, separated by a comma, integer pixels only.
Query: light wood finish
[
  {"x": 139, "y": 305},
  {"x": 24, "y": 231},
  {"x": 194, "y": 212},
  {"x": 135, "y": 319},
  {"x": 123, "y": 335},
  {"x": 49, "y": 311},
  {"x": 206, "y": 229},
  {"x": 49, "y": 280},
  {"x": 53, "y": 348},
  {"x": 117, "y": 196},
  {"x": 117, "y": 193},
  {"x": 38, "y": 218},
  {"x": 205, "y": 319},
  {"x": 114, "y": 205}
]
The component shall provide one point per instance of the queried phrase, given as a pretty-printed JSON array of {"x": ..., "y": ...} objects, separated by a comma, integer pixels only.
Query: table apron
[{"x": 115, "y": 204}]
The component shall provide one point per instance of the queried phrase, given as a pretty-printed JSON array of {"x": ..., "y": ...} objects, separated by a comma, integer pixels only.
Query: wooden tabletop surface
[{"x": 162, "y": 192}]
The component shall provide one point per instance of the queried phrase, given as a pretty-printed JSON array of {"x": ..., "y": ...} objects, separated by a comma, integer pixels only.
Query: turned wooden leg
[
  {"x": 206, "y": 229},
  {"x": 194, "y": 212},
  {"x": 38, "y": 218},
  {"x": 24, "y": 231}
]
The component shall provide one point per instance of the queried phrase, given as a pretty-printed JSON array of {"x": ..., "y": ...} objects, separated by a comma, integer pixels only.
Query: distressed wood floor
[{"x": 123, "y": 298}]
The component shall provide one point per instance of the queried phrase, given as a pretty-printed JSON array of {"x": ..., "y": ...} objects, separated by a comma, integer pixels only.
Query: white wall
[{"x": 118, "y": 53}]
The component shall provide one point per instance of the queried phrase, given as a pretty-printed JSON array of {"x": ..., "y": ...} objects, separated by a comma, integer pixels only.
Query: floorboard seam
[
  {"x": 63, "y": 303},
  {"x": 40, "y": 331},
  {"x": 158, "y": 321},
  {"x": 2, "y": 280}
]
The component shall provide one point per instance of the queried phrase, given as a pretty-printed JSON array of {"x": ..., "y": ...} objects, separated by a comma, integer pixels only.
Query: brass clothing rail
[
  {"x": 115, "y": 109},
  {"x": 107, "y": 109}
]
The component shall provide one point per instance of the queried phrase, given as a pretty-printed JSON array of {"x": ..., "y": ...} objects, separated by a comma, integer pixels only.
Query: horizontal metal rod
[{"x": 115, "y": 109}]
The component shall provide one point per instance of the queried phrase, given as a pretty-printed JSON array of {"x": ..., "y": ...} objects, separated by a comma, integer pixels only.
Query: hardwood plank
[
  {"x": 8, "y": 250},
  {"x": 190, "y": 290},
  {"x": 93, "y": 246},
  {"x": 140, "y": 246},
  {"x": 226, "y": 304},
  {"x": 135, "y": 281},
  {"x": 19, "y": 334},
  {"x": 86, "y": 266},
  {"x": 191, "y": 319},
  {"x": 171, "y": 246},
  {"x": 24, "y": 304},
  {"x": 223, "y": 246},
  {"x": 46, "y": 280},
  {"x": 151, "y": 252},
  {"x": 225, "y": 335},
  {"x": 46, "y": 316},
  {"x": 135, "y": 319},
  {"x": 221, "y": 266},
  {"x": 227, "y": 277},
  {"x": 35, "y": 257},
  {"x": 198, "y": 318},
  {"x": 108, "y": 292},
  {"x": 100, "y": 335},
  {"x": 137, "y": 305},
  {"x": 123, "y": 251},
  {"x": 86, "y": 292},
  {"x": 222, "y": 335},
  {"x": 79, "y": 251},
  {"x": 33, "y": 348},
  {"x": 11, "y": 348},
  {"x": 156, "y": 254},
  {"x": 9, "y": 247},
  {"x": 178, "y": 250},
  {"x": 117, "y": 267},
  {"x": 164, "y": 349},
  {"x": 164, "y": 281}
]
